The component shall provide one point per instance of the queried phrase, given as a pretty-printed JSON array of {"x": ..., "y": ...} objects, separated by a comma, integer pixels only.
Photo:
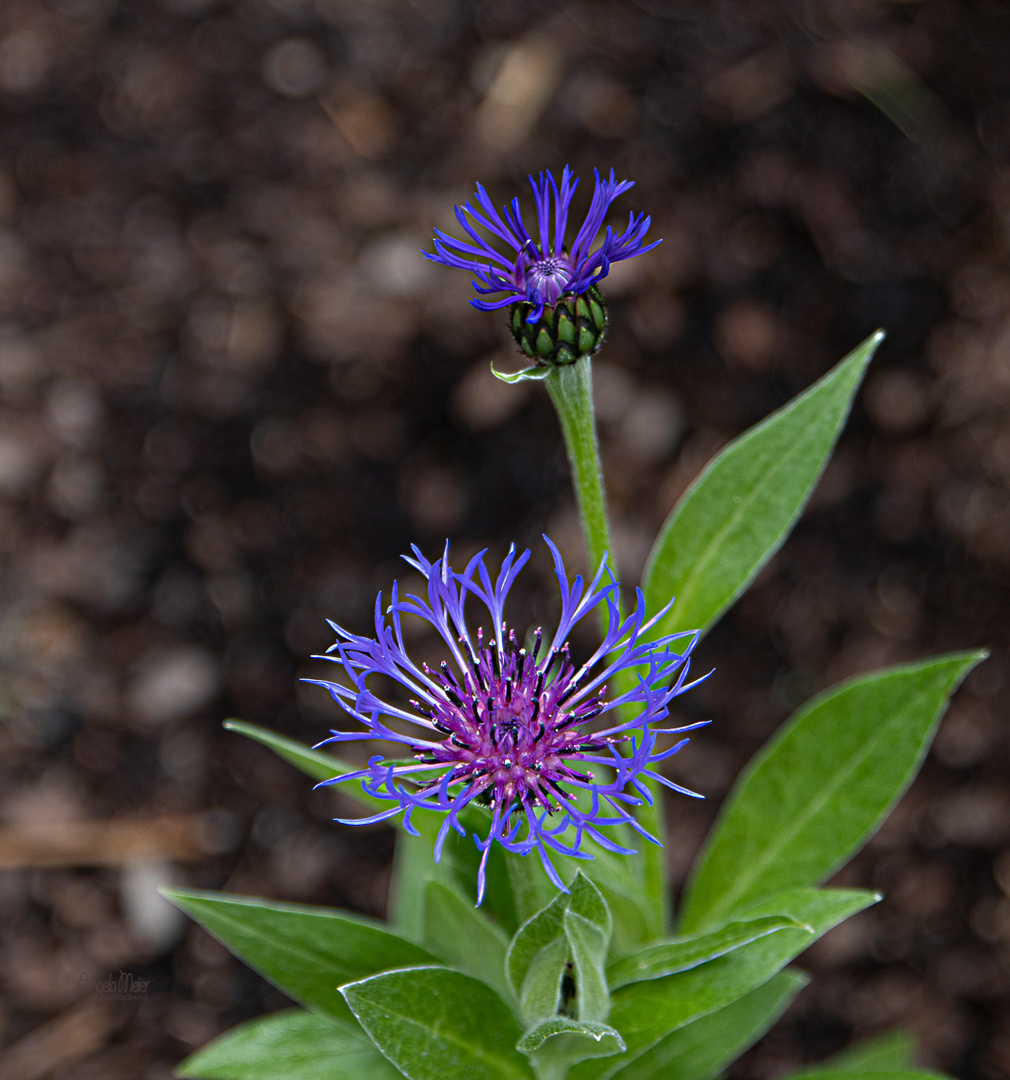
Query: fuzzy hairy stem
[{"x": 571, "y": 389}]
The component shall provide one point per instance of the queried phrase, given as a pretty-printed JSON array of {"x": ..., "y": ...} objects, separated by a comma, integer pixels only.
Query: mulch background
[{"x": 233, "y": 393}]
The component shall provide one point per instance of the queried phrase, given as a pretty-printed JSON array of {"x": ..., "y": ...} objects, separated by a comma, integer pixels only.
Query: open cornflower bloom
[{"x": 522, "y": 731}]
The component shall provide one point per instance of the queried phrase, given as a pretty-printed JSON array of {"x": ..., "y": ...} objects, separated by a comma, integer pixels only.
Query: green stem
[
  {"x": 531, "y": 888},
  {"x": 571, "y": 390}
]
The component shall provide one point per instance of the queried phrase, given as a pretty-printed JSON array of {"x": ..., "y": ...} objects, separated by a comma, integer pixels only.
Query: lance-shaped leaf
[
  {"x": 868, "y": 1074},
  {"x": 540, "y": 995},
  {"x": 891, "y": 1052},
  {"x": 557, "y": 1041},
  {"x": 306, "y": 951},
  {"x": 313, "y": 763},
  {"x": 738, "y": 512},
  {"x": 638, "y": 912},
  {"x": 645, "y": 1013},
  {"x": 290, "y": 1045},
  {"x": 588, "y": 944},
  {"x": 540, "y": 951},
  {"x": 681, "y": 954},
  {"x": 414, "y": 864},
  {"x": 701, "y": 1049},
  {"x": 822, "y": 786},
  {"x": 456, "y": 931},
  {"x": 894, "y": 1050},
  {"x": 437, "y": 1024}
]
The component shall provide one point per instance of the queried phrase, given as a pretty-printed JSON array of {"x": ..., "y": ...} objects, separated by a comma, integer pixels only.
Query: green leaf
[
  {"x": 609, "y": 1039},
  {"x": 735, "y": 516},
  {"x": 548, "y": 925},
  {"x": 889, "y": 1053},
  {"x": 455, "y": 931},
  {"x": 588, "y": 944},
  {"x": 437, "y": 1024},
  {"x": 821, "y": 787},
  {"x": 868, "y": 1074},
  {"x": 703, "y": 1048},
  {"x": 313, "y": 763},
  {"x": 539, "y": 953},
  {"x": 637, "y": 914},
  {"x": 815, "y": 911},
  {"x": 638, "y": 911},
  {"x": 646, "y": 1013},
  {"x": 894, "y": 1050},
  {"x": 682, "y": 954},
  {"x": 541, "y": 988},
  {"x": 306, "y": 951},
  {"x": 290, "y": 1045},
  {"x": 414, "y": 863}
]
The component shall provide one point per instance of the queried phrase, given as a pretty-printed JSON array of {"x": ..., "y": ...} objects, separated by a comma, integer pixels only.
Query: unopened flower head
[
  {"x": 558, "y": 314},
  {"x": 524, "y": 732}
]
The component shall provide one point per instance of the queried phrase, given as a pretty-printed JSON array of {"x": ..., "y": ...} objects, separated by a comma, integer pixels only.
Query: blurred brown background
[{"x": 233, "y": 393}]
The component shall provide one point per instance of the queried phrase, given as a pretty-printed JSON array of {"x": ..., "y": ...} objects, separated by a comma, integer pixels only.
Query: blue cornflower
[
  {"x": 507, "y": 727},
  {"x": 540, "y": 274}
]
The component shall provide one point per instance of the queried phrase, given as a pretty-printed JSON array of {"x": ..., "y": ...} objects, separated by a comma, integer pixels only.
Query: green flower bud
[{"x": 573, "y": 328}]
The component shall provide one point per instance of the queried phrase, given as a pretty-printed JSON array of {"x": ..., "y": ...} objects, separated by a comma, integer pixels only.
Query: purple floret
[
  {"x": 506, "y": 727},
  {"x": 540, "y": 274}
]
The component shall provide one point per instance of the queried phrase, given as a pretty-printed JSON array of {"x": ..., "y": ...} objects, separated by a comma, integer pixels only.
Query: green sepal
[{"x": 573, "y": 328}]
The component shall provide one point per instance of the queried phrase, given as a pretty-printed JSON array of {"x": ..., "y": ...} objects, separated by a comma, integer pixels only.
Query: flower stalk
[{"x": 571, "y": 389}]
